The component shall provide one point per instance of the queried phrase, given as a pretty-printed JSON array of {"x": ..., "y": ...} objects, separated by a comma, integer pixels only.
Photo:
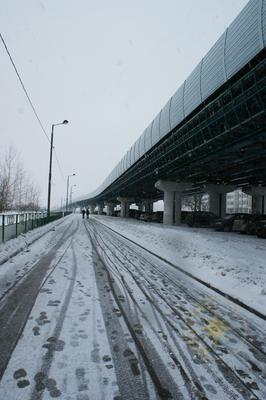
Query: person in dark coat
[
  {"x": 87, "y": 213},
  {"x": 83, "y": 212}
]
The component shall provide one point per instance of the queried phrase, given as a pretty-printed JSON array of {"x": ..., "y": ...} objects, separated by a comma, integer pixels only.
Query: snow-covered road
[
  {"x": 231, "y": 262},
  {"x": 97, "y": 317}
]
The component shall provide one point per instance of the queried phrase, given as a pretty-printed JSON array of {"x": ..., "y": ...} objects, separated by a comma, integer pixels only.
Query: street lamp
[
  {"x": 65, "y": 122},
  {"x": 67, "y": 190},
  {"x": 71, "y": 193}
]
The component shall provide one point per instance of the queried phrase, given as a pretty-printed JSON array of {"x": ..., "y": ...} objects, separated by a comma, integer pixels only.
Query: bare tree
[
  {"x": 196, "y": 202},
  {"x": 17, "y": 190},
  {"x": 30, "y": 197},
  {"x": 7, "y": 180}
]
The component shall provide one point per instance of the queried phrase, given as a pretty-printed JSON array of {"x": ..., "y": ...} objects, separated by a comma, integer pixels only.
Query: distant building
[{"x": 238, "y": 202}]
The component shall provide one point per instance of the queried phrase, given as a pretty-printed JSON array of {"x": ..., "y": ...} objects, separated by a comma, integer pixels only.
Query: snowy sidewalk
[
  {"x": 231, "y": 262},
  {"x": 64, "y": 346}
]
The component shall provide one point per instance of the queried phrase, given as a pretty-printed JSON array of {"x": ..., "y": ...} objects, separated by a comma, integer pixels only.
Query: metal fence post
[
  {"x": 3, "y": 228},
  {"x": 25, "y": 223},
  {"x": 16, "y": 225}
]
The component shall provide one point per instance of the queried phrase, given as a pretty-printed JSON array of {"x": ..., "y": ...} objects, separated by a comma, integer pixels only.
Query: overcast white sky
[{"x": 108, "y": 66}]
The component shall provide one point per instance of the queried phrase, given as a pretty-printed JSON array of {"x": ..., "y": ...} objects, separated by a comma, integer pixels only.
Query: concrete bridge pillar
[
  {"x": 125, "y": 203},
  {"x": 139, "y": 205},
  {"x": 258, "y": 199},
  {"x": 217, "y": 197},
  {"x": 110, "y": 208},
  {"x": 100, "y": 208},
  {"x": 168, "y": 213},
  {"x": 92, "y": 208},
  {"x": 147, "y": 205},
  {"x": 178, "y": 205},
  {"x": 258, "y": 204},
  {"x": 172, "y": 200}
]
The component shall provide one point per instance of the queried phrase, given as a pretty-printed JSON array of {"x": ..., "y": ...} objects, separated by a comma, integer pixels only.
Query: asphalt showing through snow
[
  {"x": 98, "y": 317},
  {"x": 16, "y": 306}
]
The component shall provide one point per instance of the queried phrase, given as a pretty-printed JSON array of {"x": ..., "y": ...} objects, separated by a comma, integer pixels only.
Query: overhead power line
[
  {"x": 29, "y": 100},
  {"x": 23, "y": 86},
  {"x": 58, "y": 164}
]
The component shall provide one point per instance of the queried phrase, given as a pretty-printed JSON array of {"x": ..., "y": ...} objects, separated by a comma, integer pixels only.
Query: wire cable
[
  {"x": 29, "y": 100},
  {"x": 58, "y": 164},
  {"x": 23, "y": 86}
]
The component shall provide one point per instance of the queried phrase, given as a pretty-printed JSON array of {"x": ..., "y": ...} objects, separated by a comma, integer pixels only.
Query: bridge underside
[{"x": 223, "y": 141}]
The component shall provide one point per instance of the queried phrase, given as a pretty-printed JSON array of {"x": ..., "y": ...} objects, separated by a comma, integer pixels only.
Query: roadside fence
[{"x": 12, "y": 225}]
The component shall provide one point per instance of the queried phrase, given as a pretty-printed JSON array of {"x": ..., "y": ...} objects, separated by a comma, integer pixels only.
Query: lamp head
[{"x": 65, "y": 122}]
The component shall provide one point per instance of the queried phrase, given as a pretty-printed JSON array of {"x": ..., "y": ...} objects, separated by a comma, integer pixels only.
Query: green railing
[{"x": 12, "y": 225}]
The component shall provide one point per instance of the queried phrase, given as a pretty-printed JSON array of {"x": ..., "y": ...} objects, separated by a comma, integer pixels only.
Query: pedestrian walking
[
  {"x": 83, "y": 212},
  {"x": 87, "y": 213}
]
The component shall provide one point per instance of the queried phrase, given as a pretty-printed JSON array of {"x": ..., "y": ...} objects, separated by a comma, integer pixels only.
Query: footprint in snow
[
  {"x": 36, "y": 330},
  {"x": 54, "y": 303},
  {"x": 18, "y": 375},
  {"x": 54, "y": 344},
  {"x": 81, "y": 381},
  {"x": 42, "y": 319},
  {"x": 42, "y": 382}
]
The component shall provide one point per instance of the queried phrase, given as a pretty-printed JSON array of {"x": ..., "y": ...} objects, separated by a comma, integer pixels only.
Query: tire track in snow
[
  {"x": 199, "y": 392},
  {"x": 156, "y": 377},
  {"x": 130, "y": 384},
  {"x": 254, "y": 343},
  {"x": 235, "y": 378},
  {"x": 208, "y": 285}
]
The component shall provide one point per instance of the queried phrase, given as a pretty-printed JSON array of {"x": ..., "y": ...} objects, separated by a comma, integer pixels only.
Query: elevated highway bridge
[{"x": 211, "y": 134}]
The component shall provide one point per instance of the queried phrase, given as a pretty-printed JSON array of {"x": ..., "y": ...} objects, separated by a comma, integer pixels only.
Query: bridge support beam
[
  {"x": 125, "y": 203},
  {"x": 258, "y": 199},
  {"x": 110, "y": 208},
  {"x": 217, "y": 197},
  {"x": 172, "y": 200}
]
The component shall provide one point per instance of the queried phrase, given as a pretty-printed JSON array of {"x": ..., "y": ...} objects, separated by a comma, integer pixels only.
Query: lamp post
[
  {"x": 67, "y": 190},
  {"x": 65, "y": 122},
  {"x": 71, "y": 193}
]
